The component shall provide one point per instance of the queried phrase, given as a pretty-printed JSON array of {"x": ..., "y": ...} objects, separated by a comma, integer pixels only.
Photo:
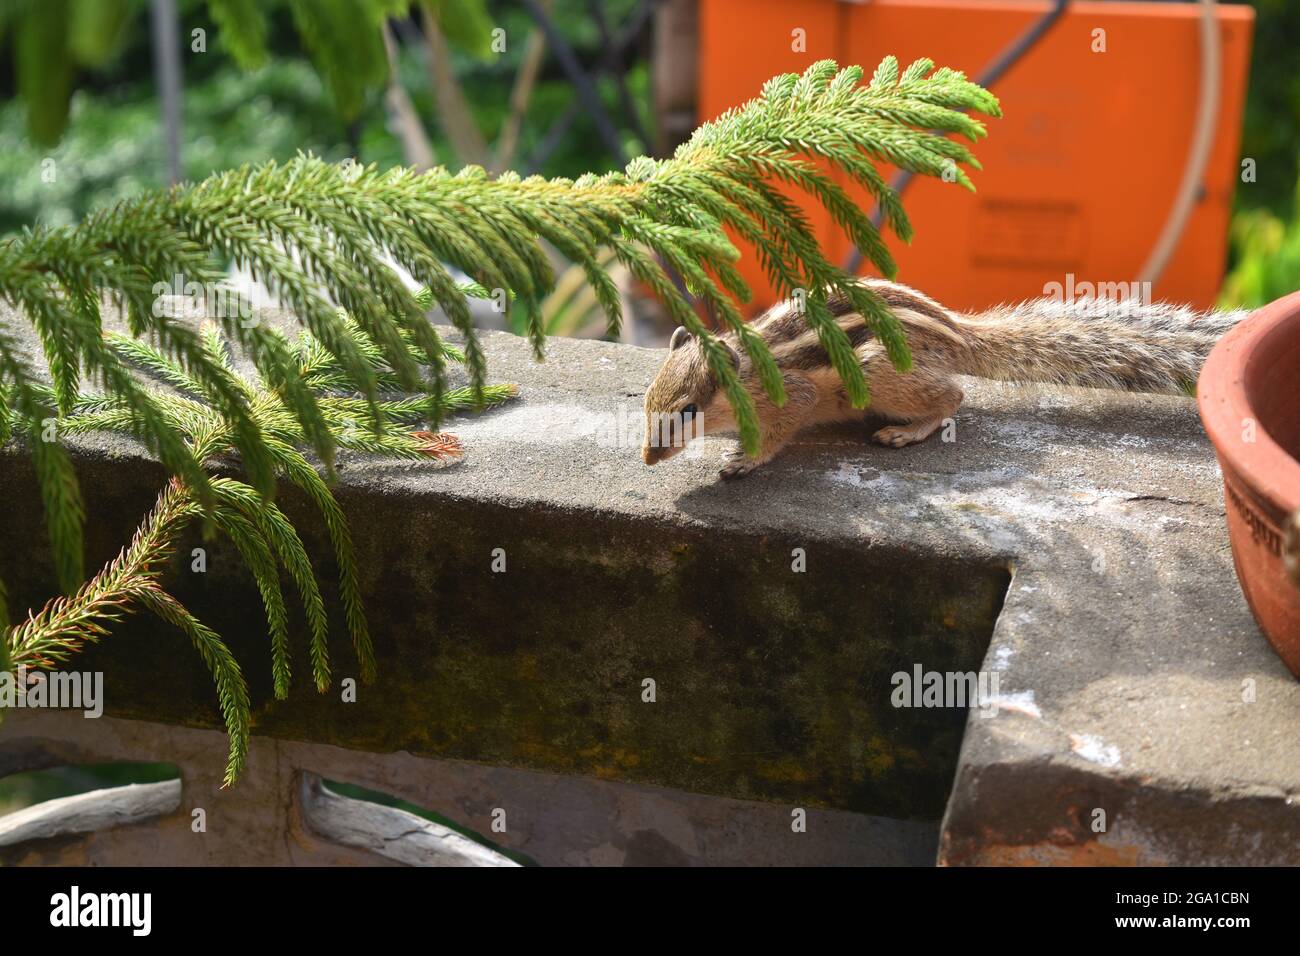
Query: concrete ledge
[
  {"x": 1139, "y": 695},
  {"x": 762, "y": 677},
  {"x": 1133, "y": 681}
]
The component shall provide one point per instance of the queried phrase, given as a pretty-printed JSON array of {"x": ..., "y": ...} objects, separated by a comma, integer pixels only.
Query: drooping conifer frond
[
  {"x": 260, "y": 532},
  {"x": 320, "y": 236}
]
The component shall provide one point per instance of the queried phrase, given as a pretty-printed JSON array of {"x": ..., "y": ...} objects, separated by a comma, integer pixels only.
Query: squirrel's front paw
[
  {"x": 900, "y": 436},
  {"x": 738, "y": 465}
]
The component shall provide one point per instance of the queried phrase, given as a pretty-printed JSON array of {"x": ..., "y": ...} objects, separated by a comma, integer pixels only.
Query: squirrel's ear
[
  {"x": 680, "y": 337},
  {"x": 735, "y": 356}
]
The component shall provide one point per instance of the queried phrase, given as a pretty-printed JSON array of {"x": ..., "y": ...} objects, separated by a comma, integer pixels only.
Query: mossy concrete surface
[
  {"x": 1133, "y": 686},
  {"x": 608, "y": 646}
]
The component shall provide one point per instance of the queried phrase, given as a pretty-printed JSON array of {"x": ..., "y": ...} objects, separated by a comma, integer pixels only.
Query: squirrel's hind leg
[{"x": 919, "y": 400}]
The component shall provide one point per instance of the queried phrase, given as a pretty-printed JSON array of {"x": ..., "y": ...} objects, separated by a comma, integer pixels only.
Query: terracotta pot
[{"x": 1249, "y": 396}]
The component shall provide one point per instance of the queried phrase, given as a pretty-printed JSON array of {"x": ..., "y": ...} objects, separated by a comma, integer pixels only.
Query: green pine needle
[
  {"x": 319, "y": 237},
  {"x": 260, "y": 532}
]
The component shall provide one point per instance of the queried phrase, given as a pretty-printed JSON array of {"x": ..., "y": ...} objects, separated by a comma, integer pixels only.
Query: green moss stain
[{"x": 771, "y": 684}]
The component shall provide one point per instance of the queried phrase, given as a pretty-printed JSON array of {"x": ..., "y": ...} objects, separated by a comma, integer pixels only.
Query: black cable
[
  {"x": 617, "y": 71},
  {"x": 590, "y": 99},
  {"x": 554, "y": 136},
  {"x": 586, "y": 91},
  {"x": 992, "y": 73}
]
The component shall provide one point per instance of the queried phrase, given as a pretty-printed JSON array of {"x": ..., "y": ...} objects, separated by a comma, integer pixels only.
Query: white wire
[{"x": 1198, "y": 156}]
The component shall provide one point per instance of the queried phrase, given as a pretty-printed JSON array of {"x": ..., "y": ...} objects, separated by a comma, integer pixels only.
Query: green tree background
[{"x": 112, "y": 149}]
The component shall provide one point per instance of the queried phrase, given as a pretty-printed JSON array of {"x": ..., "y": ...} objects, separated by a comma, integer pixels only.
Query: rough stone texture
[
  {"x": 765, "y": 679},
  {"x": 1133, "y": 680},
  {"x": 553, "y": 819}
]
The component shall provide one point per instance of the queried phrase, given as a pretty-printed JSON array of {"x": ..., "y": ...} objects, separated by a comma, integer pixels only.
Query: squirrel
[{"x": 1126, "y": 345}]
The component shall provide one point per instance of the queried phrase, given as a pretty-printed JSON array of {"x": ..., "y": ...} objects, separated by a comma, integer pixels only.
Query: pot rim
[{"x": 1224, "y": 406}]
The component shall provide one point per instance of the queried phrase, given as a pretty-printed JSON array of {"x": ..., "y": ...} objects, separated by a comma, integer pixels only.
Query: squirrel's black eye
[{"x": 689, "y": 411}]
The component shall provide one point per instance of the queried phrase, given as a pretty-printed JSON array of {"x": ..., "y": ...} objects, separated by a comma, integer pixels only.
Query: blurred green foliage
[
  {"x": 343, "y": 39},
  {"x": 1265, "y": 254},
  {"x": 1271, "y": 135},
  {"x": 52, "y": 39},
  {"x": 1266, "y": 250},
  {"x": 112, "y": 146},
  {"x": 467, "y": 25}
]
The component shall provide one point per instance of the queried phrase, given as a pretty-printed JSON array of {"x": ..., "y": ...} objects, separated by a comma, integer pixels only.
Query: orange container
[{"x": 1081, "y": 172}]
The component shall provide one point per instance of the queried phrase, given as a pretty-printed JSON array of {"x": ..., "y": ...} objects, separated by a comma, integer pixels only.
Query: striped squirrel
[{"x": 1094, "y": 343}]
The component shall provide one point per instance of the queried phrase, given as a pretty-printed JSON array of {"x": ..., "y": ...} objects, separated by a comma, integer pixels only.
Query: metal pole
[{"x": 167, "y": 76}]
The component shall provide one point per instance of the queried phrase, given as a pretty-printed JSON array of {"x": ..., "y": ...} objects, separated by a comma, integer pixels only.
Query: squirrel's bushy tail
[{"x": 1128, "y": 344}]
